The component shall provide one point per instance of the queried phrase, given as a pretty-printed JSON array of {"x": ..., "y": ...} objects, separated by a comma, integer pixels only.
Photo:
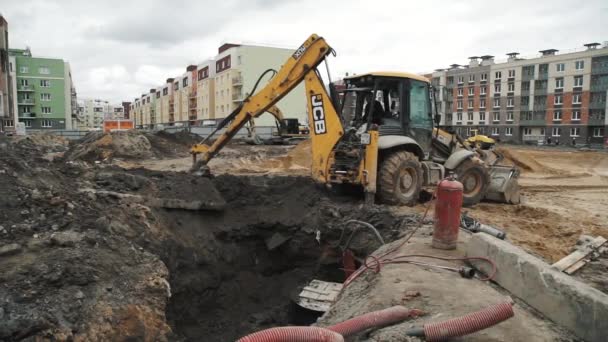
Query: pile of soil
[
  {"x": 130, "y": 145},
  {"x": 85, "y": 265}
]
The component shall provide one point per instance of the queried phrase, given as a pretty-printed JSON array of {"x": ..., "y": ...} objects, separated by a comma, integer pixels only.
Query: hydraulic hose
[
  {"x": 293, "y": 334},
  {"x": 373, "y": 319},
  {"x": 466, "y": 324}
]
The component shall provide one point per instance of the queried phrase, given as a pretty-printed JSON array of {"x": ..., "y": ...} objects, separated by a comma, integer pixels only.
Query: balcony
[
  {"x": 599, "y": 68},
  {"x": 539, "y": 106},
  {"x": 597, "y": 105},
  {"x": 527, "y": 77},
  {"x": 171, "y": 109},
  {"x": 237, "y": 97},
  {"x": 25, "y": 102},
  {"x": 533, "y": 120},
  {"x": 27, "y": 115},
  {"x": 192, "y": 95},
  {"x": 543, "y": 75},
  {"x": 599, "y": 86},
  {"x": 525, "y": 92},
  {"x": 597, "y": 119},
  {"x": 27, "y": 88},
  {"x": 237, "y": 81},
  {"x": 540, "y": 91}
]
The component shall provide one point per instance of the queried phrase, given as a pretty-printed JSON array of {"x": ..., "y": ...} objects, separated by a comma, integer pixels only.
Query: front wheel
[
  {"x": 400, "y": 179},
  {"x": 475, "y": 180}
]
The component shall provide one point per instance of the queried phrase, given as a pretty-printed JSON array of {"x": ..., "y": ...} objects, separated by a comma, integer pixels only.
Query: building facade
[
  {"x": 44, "y": 91},
  {"x": 213, "y": 89},
  {"x": 552, "y": 97},
  {"x": 6, "y": 107},
  {"x": 93, "y": 112}
]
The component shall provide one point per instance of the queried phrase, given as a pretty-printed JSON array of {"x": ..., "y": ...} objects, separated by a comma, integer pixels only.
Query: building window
[
  {"x": 482, "y": 103},
  {"x": 576, "y": 115},
  {"x": 482, "y": 90},
  {"x": 511, "y": 87},
  {"x": 497, "y": 88},
  {"x": 24, "y": 82},
  {"x": 495, "y": 131},
  {"x": 510, "y": 102},
  {"x": 557, "y": 115},
  {"x": 527, "y": 131},
  {"x": 45, "y": 97},
  {"x": 579, "y": 65},
  {"x": 470, "y": 104},
  {"x": 28, "y": 123},
  {"x": 24, "y": 70},
  {"x": 460, "y": 79},
  {"x": 598, "y": 132},
  {"x": 9, "y": 123},
  {"x": 45, "y": 83},
  {"x": 559, "y": 83},
  {"x": 46, "y": 123},
  {"x": 509, "y": 131},
  {"x": 185, "y": 82},
  {"x": 470, "y": 116},
  {"x": 498, "y": 75},
  {"x": 483, "y": 77},
  {"x": 496, "y": 117},
  {"x": 576, "y": 99},
  {"x": 511, "y": 73},
  {"x": 471, "y": 78},
  {"x": 460, "y": 91},
  {"x": 165, "y": 91},
  {"x": 471, "y": 91},
  {"x": 46, "y": 110},
  {"x": 496, "y": 103},
  {"x": 575, "y": 131},
  {"x": 560, "y": 67},
  {"x": 482, "y": 117},
  {"x": 510, "y": 116},
  {"x": 458, "y": 116},
  {"x": 558, "y": 100},
  {"x": 176, "y": 86},
  {"x": 578, "y": 81},
  {"x": 459, "y": 104},
  {"x": 556, "y": 131},
  {"x": 44, "y": 70}
]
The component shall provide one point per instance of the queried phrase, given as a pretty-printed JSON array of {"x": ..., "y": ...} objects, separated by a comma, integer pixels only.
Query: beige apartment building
[{"x": 216, "y": 87}]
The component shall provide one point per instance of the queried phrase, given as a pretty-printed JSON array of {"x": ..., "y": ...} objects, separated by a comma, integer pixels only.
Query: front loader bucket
[{"x": 504, "y": 186}]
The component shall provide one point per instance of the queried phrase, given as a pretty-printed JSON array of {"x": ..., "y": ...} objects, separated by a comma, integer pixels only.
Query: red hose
[
  {"x": 293, "y": 334},
  {"x": 373, "y": 319},
  {"x": 469, "y": 323}
]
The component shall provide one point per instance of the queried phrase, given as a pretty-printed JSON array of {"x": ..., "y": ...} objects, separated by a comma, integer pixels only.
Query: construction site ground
[{"x": 87, "y": 255}]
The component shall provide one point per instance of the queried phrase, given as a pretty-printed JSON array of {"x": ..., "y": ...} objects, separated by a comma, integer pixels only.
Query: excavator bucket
[{"x": 504, "y": 186}]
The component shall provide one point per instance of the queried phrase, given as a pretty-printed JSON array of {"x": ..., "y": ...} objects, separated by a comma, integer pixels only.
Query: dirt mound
[
  {"x": 522, "y": 161},
  {"x": 182, "y": 137},
  {"x": 129, "y": 145}
]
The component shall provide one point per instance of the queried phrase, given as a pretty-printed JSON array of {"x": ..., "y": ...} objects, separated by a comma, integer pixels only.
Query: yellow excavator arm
[{"x": 300, "y": 65}]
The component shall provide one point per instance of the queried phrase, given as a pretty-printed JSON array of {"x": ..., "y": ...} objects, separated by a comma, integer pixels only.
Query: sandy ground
[{"x": 565, "y": 192}]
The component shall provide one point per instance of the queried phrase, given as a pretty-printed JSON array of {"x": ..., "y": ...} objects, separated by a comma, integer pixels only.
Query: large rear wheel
[
  {"x": 475, "y": 180},
  {"x": 400, "y": 179}
]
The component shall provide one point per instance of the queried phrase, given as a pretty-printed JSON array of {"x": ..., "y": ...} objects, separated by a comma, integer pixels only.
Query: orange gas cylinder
[{"x": 447, "y": 213}]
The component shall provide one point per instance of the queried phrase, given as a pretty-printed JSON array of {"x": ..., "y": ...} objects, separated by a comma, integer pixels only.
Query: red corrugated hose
[
  {"x": 294, "y": 334},
  {"x": 374, "y": 319},
  {"x": 466, "y": 324}
]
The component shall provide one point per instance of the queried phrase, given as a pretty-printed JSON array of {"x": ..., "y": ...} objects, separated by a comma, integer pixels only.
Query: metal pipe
[{"x": 364, "y": 224}]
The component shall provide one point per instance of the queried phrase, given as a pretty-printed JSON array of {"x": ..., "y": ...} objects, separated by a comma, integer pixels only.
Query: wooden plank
[
  {"x": 576, "y": 266},
  {"x": 577, "y": 256}
]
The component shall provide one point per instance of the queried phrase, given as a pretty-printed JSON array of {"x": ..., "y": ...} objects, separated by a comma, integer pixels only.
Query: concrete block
[{"x": 572, "y": 304}]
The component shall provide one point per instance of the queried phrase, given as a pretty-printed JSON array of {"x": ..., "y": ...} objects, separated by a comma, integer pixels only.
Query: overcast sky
[{"x": 120, "y": 49}]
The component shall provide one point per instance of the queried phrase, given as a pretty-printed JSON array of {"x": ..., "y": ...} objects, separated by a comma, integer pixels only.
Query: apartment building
[
  {"x": 214, "y": 88},
  {"x": 561, "y": 96},
  {"x": 6, "y": 107},
  {"x": 44, "y": 91},
  {"x": 93, "y": 112}
]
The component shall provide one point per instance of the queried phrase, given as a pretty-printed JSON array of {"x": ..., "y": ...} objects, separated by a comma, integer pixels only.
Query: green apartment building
[{"x": 43, "y": 91}]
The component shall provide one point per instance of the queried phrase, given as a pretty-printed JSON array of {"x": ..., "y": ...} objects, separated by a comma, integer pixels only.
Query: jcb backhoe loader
[{"x": 376, "y": 133}]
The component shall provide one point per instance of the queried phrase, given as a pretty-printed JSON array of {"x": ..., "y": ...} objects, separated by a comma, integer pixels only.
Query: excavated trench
[{"x": 238, "y": 271}]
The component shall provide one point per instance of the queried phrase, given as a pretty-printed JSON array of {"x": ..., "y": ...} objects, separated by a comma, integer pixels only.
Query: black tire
[
  {"x": 475, "y": 180},
  {"x": 400, "y": 179}
]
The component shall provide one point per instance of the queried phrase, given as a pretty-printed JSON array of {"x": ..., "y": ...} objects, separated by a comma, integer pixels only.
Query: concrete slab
[
  {"x": 561, "y": 298},
  {"x": 440, "y": 293}
]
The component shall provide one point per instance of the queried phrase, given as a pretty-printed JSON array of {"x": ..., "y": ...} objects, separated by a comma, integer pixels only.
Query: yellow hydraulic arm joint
[{"x": 304, "y": 60}]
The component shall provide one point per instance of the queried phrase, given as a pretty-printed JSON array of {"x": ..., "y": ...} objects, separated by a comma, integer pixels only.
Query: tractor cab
[{"x": 399, "y": 104}]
